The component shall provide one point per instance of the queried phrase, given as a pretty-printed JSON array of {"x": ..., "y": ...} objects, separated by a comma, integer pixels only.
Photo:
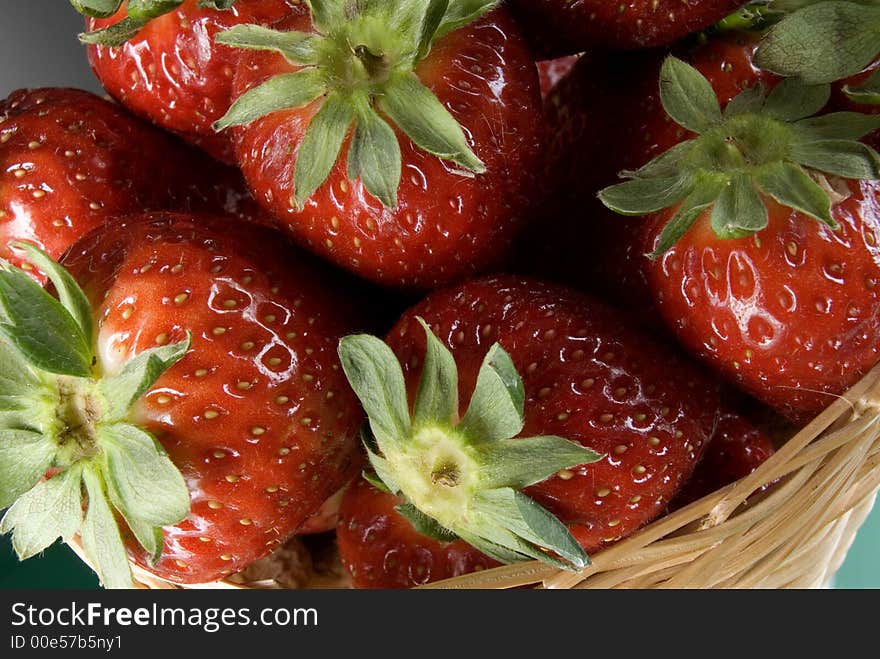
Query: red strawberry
[
  {"x": 562, "y": 27},
  {"x": 70, "y": 160},
  {"x": 736, "y": 450},
  {"x": 586, "y": 377},
  {"x": 256, "y": 415},
  {"x": 434, "y": 199},
  {"x": 606, "y": 117},
  {"x": 782, "y": 304},
  {"x": 171, "y": 71}
]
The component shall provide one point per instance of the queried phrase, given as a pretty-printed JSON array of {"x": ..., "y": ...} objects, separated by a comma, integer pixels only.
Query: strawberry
[
  {"x": 70, "y": 160},
  {"x": 562, "y": 27},
  {"x": 588, "y": 148},
  {"x": 212, "y": 337},
  {"x": 438, "y": 196},
  {"x": 169, "y": 70},
  {"x": 761, "y": 232},
  {"x": 736, "y": 450},
  {"x": 588, "y": 380}
]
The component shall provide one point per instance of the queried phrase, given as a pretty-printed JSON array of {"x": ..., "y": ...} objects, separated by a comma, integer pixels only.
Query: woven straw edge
[{"x": 794, "y": 535}]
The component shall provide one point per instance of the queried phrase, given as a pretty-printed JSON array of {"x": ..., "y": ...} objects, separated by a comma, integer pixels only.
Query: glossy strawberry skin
[
  {"x": 793, "y": 317},
  {"x": 603, "y": 118},
  {"x": 562, "y": 27},
  {"x": 257, "y": 415},
  {"x": 174, "y": 74},
  {"x": 737, "y": 449},
  {"x": 447, "y": 225},
  {"x": 789, "y": 317},
  {"x": 588, "y": 377},
  {"x": 381, "y": 549},
  {"x": 70, "y": 161}
]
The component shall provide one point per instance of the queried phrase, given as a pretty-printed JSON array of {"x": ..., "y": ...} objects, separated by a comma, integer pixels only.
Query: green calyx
[
  {"x": 461, "y": 478},
  {"x": 822, "y": 41},
  {"x": 65, "y": 435},
  {"x": 138, "y": 14},
  {"x": 360, "y": 62},
  {"x": 761, "y": 145}
]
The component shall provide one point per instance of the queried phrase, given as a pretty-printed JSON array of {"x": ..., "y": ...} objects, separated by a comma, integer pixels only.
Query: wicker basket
[{"x": 794, "y": 534}]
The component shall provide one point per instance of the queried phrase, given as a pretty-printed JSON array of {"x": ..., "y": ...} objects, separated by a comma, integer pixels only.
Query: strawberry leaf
[
  {"x": 376, "y": 377},
  {"x": 142, "y": 477},
  {"x": 327, "y": 13},
  {"x": 115, "y": 35},
  {"x": 518, "y": 463},
  {"x": 16, "y": 377},
  {"x": 846, "y": 158},
  {"x": 688, "y": 97},
  {"x": 868, "y": 92},
  {"x": 52, "y": 509},
  {"x": 144, "y": 10},
  {"x": 836, "y": 126},
  {"x": 320, "y": 146},
  {"x": 694, "y": 205},
  {"x": 823, "y": 42},
  {"x": 463, "y": 12},
  {"x": 646, "y": 195},
  {"x": 792, "y": 187},
  {"x": 97, "y": 8},
  {"x": 437, "y": 397},
  {"x": 739, "y": 210},
  {"x": 434, "y": 16},
  {"x": 496, "y": 408},
  {"x": 138, "y": 375},
  {"x": 70, "y": 294},
  {"x": 25, "y": 456},
  {"x": 791, "y": 100},
  {"x": 100, "y": 536},
  {"x": 283, "y": 92},
  {"x": 419, "y": 114},
  {"x": 425, "y": 525},
  {"x": 297, "y": 47},
  {"x": 40, "y": 328},
  {"x": 511, "y": 520},
  {"x": 374, "y": 157},
  {"x": 748, "y": 101}
]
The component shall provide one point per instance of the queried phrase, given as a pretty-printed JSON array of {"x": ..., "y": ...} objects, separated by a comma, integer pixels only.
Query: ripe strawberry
[
  {"x": 586, "y": 377},
  {"x": 604, "y": 118},
  {"x": 736, "y": 450},
  {"x": 434, "y": 199},
  {"x": 70, "y": 160},
  {"x": 169, "y": 69},
  {"x": 562, "y": 27},
  {"x": 782, "y": 305},
  {"x": 252, "y": 410}
]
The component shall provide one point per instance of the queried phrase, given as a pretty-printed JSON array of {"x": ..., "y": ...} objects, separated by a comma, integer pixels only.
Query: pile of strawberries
[{"x": 606, "y": 244}]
